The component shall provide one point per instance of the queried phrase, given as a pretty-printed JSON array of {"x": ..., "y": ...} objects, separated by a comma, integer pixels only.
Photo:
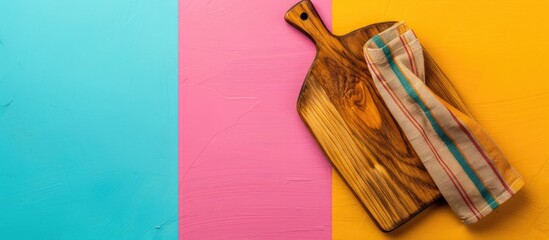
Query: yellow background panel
[{"x": 497, "y": 55}]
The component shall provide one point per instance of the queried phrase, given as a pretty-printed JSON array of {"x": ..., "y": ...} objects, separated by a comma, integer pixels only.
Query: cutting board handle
[{"x": 304, "y": 17}]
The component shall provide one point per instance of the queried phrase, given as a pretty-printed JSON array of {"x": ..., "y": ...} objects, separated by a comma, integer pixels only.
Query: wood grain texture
[{"x": 342, "y": 109}]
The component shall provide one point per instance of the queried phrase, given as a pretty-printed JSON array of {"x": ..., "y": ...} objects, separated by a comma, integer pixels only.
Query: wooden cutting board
[{"x": 344, "y": 112}]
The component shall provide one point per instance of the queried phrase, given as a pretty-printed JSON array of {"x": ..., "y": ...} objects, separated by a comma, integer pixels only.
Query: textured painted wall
[
  {"x": 88, "y": 119},
  {"x": 248, "y": 167},
  {"x": 495, "y": 53}
]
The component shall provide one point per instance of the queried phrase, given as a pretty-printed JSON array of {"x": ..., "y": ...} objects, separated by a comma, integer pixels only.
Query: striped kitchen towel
[{"x": 467, "y": 166}]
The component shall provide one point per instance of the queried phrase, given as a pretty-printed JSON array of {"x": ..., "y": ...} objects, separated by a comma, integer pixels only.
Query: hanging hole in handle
[{"x": 304, "y": 16}]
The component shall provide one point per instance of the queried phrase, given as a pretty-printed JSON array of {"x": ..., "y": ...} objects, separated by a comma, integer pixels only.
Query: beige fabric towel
[{"x": 469, "y": 169}]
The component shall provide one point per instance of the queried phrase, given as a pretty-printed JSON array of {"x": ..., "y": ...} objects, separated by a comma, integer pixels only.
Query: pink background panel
[{"x": 248, "y": 167}]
